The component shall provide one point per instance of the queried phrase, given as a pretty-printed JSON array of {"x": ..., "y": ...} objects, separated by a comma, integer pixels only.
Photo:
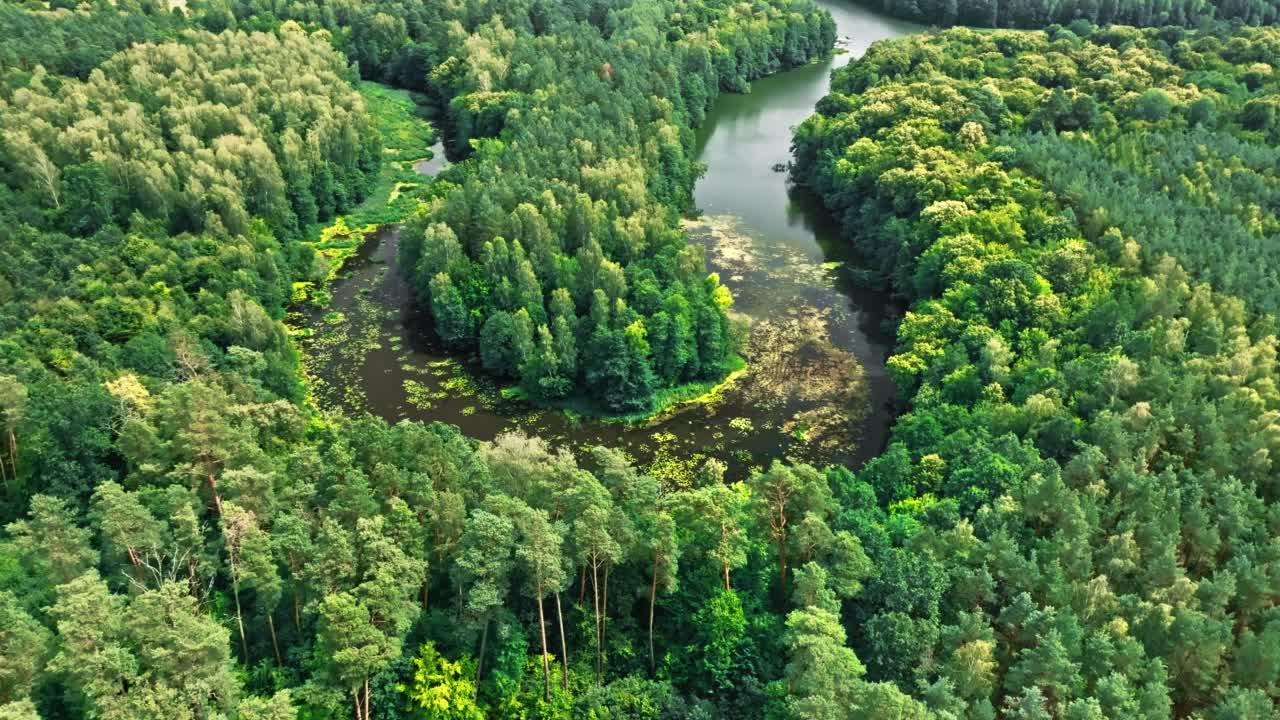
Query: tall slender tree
[
  {"x": 597, "y": 550},
  {"x": 540, "y": 552},
  {"x": 482, "y": 572}
]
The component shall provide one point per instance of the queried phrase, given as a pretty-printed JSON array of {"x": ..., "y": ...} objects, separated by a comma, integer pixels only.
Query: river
[{"x": 815, "y": 388}]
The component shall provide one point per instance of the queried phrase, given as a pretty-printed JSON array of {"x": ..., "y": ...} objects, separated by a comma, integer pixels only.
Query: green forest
[
  {"x": 1076, "y": 515},
  {"x": 1080, "y": 224},
  {"x": 1034, "y": 14}
]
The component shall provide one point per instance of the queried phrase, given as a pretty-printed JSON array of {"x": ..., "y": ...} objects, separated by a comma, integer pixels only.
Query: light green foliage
[
  {"x": 633, "y": 698},
  {"x": 822, "y": 674},
  {"x": 790, "y": 505},
  {"x": 716, "y": 650},
  {"x": 718, "y": 512},
  {"x": 19, "y": 710},
  {"x": 51, "y": 544},
  {"x": 442, "y": 689},
  {"x": 210, "y": 163},
  {"x": 277, "y": 707},
  {"x": 183, "y": 655},
  {"x": 484, "y": 563},
  {"x": 173, "y": 659},
  {"x": 24, "y": 649}
]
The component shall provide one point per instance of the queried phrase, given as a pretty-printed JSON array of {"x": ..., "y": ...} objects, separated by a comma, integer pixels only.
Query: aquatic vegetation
[
  {"x": 744, "y": 257},
  {"x": 674, "y": 469},
  {"x": 798, "y": 373},
  {"x": 800, "y": 431},
  {"x": 461, "y": 384},
  {"x": 418, "y": 395}
]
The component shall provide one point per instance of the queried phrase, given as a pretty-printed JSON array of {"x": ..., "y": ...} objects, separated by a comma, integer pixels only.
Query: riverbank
[
  {"x": 667, "y": 401},
  {"x": 410, "y": 143}
]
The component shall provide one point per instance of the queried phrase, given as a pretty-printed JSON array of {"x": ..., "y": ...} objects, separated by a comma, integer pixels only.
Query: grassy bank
[
  {"x": 407, "y": 137},
  {"x": 667, "y": 402}
]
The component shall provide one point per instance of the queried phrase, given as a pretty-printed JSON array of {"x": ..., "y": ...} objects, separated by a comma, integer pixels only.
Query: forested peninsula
[{"x": 1075, "y": 517}]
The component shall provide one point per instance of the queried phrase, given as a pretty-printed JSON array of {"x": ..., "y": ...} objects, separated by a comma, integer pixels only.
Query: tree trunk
[
  {"x": 564, "y": 648},
  {"x": 782, "y": 550},
  {"x": 367, "y": 715},
  {"x": 244, "y": 644},
  {"x": 275, "y": 644},
  {"x": 595, "y": 592},
  {"x": 13, "y": 453},
  {"x": 355, "y": 695},
  {"x": 484, "y": 638},
  {"x": 604, "y": 615},
  {"x": 546, "y": 664},
  {"x": 726, "y": 577},
  {"x": 193, "y": 579},
  {"x": 653, "y": 597},
  {"x": 582, "y": 585},
  {"x": 217, "y": 499},
  {"x": 47, "y": 173},
  {"x": 297, "y": 612}
]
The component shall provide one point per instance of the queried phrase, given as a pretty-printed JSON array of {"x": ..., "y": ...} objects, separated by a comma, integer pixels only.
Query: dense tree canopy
[
  {"x": 185, "y": 538},
  {"x": 73, "y": 38},
  {"x": 1085, "y": 468},
  {"x": 208, "y": 131},
  {"x": 1076, "y": 517},
  {"x": 151, "y": 213},
  {"x": 1081, "y": 13},
  {"x": 579, "y": 117}
]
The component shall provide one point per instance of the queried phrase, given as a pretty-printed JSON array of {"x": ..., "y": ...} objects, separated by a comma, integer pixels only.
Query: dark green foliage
[
  {"x": 190, "y": 503},
  {"x": 1083, "y": 16},
  {"x": 506, "y": 342},
  {"x": 1085, "y": 253}
]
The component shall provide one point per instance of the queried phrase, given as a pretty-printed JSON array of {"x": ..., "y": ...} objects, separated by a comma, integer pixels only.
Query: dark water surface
[
  {"x": 744, "y": 140},
  {"x": 815, "y": 388}
]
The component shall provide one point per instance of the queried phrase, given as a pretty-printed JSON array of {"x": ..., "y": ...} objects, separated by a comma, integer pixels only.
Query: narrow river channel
[{"x": 815, "y": 388}]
